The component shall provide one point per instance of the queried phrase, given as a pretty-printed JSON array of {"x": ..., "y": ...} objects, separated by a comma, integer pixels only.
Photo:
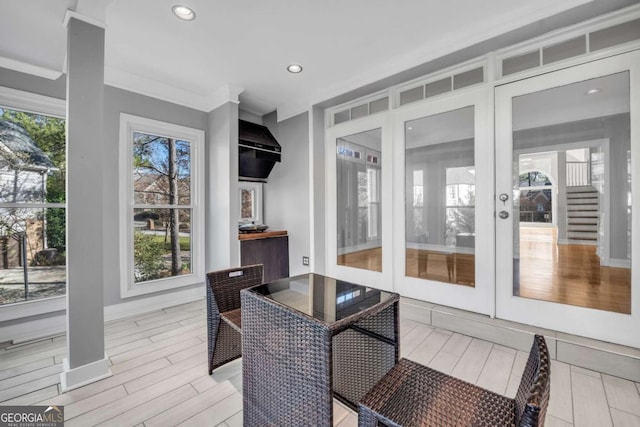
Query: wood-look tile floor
[{"x": 159, "y": 366}]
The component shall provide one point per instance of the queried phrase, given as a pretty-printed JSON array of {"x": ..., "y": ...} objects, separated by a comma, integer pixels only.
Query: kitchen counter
[{"x": 262, "y": 235}]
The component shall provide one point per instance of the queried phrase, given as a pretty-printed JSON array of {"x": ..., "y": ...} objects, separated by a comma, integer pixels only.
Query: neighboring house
[
  {"x": 153, "y": 188},
  {"x": 23, "y": 179}
]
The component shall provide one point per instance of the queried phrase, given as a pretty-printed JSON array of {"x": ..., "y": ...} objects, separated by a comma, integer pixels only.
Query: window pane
[
  {"x": 32, "y": 254},
  {"x": 440, "y": 197},
  {"x": 32, "y": 240},
  {"x": 358, "y": 190},
  {"x": 32, "y": 158},
  {"x": 247, "y": 203},
  {"x": 162, "y": 170},
  {"x": 161, "y": 243}
]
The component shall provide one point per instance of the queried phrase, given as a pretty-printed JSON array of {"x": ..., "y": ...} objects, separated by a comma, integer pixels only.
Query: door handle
[{"x": 503, "y": 214}]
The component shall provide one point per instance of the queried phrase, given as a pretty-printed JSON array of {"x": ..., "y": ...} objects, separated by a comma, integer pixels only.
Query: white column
[
  {"x": 86, "y": 361},
  {"x": 222, "y": 209}
]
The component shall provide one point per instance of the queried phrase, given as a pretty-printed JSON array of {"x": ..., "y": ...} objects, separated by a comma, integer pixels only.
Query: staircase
[{"x": 583, "y": 208}]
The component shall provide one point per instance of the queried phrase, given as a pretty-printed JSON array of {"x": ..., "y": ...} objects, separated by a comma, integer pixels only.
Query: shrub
[{"x": 147, "y": 257}]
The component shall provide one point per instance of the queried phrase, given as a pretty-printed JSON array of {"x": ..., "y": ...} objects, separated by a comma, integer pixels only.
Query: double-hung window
[{"x": 162, "y": 199}]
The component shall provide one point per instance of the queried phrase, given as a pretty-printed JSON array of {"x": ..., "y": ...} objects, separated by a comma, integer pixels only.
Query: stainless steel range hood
[{"x": 258, "y": 151}]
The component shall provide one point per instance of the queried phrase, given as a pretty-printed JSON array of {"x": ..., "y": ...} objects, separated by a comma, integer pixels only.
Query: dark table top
[{"x": 323, "y": 298}]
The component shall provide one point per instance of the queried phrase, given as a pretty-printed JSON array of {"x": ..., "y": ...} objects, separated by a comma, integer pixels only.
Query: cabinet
[{"x": 270, "y": 251}]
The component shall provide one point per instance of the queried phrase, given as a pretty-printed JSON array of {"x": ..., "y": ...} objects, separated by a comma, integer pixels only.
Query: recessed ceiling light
[
  {"x": 409, "y": 128},
  {"x": 184, "y": 12},
  {"x": 294, "y": 68},
  {"x": 592, "y": 91}
]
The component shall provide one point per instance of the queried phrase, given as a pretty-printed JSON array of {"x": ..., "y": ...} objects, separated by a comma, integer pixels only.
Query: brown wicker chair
[
  {"x": 223, "y": 311},
  {"x": 414, "y": 395}
]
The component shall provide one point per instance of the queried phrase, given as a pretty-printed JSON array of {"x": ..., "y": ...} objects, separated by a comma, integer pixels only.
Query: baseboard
[
  {"x": 56, "y": 325},
  {"x": 82, "y": 375},
  {"x": 33, "y": 329},
  {"x": 361, "y": 247},
  {"x": 613, "y": 359},
  {"x": 620, "y": 263},
  {"x": 152, "y": 303}
]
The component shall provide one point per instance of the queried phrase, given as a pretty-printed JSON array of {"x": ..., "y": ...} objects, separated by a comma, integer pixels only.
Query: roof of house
[{"x": 19, "y": 149}]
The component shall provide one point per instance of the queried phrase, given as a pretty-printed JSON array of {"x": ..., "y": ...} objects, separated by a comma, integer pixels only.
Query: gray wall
[
  {"x": 118, "y": 101},
  {"x": 286, "y": 194},
  {"x": 115, "y": 101}
]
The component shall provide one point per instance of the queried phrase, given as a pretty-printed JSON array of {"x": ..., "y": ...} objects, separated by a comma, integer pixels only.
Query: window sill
[
  {"x": 132, "y": 290},
  {"x": 21, "y": 310}
]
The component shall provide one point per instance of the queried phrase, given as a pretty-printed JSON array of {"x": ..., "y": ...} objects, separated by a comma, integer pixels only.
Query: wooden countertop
[{"x": 263, "y": 235}]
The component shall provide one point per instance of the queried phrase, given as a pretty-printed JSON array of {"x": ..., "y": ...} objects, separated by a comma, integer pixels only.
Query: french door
[
  {"x": 567, "y": 182},
  {"x": 358, "y": 202},
  {"x": 442, "y": 207}
]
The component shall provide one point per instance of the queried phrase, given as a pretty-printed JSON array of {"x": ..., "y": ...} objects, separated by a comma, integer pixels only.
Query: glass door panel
[
  {"x": 568, "y": 153},
  {"x": 359, "y": 226},
  {"x": 440, "y": 197},
  {"x": 443, "y": 202},
  {"x": 358, "y": 202}
]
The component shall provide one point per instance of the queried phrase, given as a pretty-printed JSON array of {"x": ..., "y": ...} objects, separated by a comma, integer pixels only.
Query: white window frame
[
  {"x": 14, "y": 99},
  {"x": 128, "y": 124}
]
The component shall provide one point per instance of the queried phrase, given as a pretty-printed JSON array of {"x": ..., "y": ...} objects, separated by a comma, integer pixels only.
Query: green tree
[{"x": 49, "y": 135}]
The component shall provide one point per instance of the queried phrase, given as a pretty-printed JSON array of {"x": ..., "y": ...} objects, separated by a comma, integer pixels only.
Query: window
[
  {"x": 535, "y": 197},
  {"x": 32, "y": 206},
  {"x": 162, "y": 207},
  {"x": 250, "y": 202},
  {"x": 460, "y": 203}
]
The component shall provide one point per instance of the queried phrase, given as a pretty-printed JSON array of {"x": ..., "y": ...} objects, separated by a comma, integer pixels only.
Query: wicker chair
[
  {"x": 223, "y": 311},
  {"x": 414, "y": 395}
]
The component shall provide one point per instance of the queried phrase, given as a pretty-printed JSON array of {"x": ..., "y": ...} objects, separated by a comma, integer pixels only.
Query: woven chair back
[
  {"x": 225, "y": 285},
  {"x": 532, "y": 398}
]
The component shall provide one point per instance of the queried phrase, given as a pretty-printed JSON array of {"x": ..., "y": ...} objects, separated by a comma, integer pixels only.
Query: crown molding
[
  {"x": 26, "y": 68},
  {"x": 153, "y": 89},
  {"x": 32, "y": 102},
  {"x": 224, "y": 94},
  {"x": 80, "y": 17}
]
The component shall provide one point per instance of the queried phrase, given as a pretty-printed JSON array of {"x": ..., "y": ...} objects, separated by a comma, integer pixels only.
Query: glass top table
[
  {"x": 323, "y": 298},
  {"x": 308, "y": 339}
]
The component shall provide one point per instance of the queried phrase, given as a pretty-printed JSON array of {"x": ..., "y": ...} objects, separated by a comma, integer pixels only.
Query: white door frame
[
  {"x": 598, "y": 324},
  {"x": 381, "y": 280},
  {"x": 478, "y": 299}
]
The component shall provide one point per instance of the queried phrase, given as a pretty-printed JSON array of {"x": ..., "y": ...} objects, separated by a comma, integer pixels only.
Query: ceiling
[{"x": 244, "y": 46}]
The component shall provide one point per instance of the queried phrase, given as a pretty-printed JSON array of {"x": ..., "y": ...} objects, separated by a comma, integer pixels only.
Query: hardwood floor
[
  {"x": 567, "y": 274},
  {"x": 368, "y": 259},
  {"x": 159, "y": 365}
]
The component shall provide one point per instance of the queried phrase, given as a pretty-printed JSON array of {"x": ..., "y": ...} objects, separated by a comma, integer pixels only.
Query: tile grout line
[
  {"x": 460, "y": 357},
  {"x": 573, "y": 406},
  {"x": 484, "y": 364},
  {"x": 606, "y": 398},
  {"x": 513, "y": 362}
]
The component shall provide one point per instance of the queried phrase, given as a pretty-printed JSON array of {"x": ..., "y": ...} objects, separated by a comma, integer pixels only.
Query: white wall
[{"x": 286, "y": 193}]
